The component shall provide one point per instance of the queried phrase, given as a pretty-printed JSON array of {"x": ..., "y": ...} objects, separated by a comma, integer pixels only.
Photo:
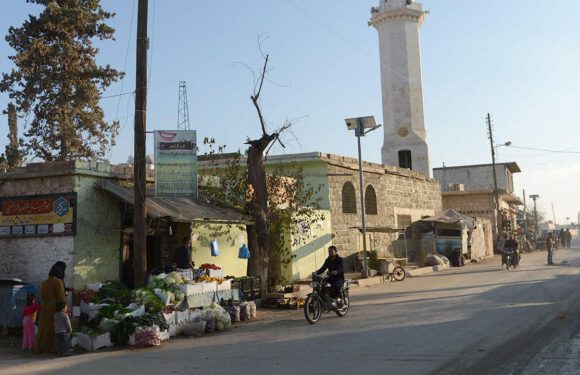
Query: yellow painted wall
[{"x": 229, "y": 245}]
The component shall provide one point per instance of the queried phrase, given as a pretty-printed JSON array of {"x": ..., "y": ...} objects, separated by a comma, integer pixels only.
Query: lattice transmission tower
[{"x": 182, "y": 110}]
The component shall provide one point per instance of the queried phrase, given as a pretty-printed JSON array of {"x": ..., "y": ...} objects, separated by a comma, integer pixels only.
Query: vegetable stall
[{"x": 184, "y": 302}]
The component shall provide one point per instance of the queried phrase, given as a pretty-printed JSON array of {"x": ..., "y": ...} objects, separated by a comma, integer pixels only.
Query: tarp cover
[{"x": 450, "y": 216}]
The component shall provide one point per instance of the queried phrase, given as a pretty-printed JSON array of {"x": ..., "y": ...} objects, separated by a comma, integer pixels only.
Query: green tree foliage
[{"x": 57, "y": 80}]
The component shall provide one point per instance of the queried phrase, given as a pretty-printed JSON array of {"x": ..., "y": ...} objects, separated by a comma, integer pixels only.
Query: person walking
[
  {"x": 550, "y": 247},
  {"x": 568, "y": 237},
  {"x": 51, "y": 292},
  {"x": 562, "y": 238}
]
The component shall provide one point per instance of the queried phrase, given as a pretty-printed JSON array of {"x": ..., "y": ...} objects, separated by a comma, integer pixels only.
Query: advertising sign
[
  {"x": 175, "y": 163},
  {"x": 44, "y": 215}
]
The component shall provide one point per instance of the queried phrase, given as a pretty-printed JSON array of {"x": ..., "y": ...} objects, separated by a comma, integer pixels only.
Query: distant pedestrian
[
  {"x": 568, "y": 237},
  {"x": 62, "y": 329},
  {"x": 550, "y": 247},
  {"x": 501, "y": 245},
  {"x": 28, "y": 331},
  {"x": 562, "y": 238}
]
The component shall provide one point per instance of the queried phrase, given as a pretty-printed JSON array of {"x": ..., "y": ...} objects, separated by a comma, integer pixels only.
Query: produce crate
[
  {"x": 191, "y": 289},
  {"x": 250, "y": 287},
  {"x": 171, "y": 318},
  {"x": 164, "y": 335},
  {"x": 94, "y": 343},
  {"x": 209, "y": 286},
  {"x": 91, "y": 309},
  {"x": 181, "y": 316},
  {"x": 225, "y": 285},
  {"x": 216, "y": 273}
]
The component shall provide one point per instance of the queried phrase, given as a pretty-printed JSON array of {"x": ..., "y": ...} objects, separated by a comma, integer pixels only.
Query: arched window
[
  {"x": 405, "y": 159},
  {"x": 370, "y": 200},
  {"x": 348, "y": 199}
]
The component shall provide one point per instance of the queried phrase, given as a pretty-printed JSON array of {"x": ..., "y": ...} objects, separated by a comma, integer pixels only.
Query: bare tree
[{"x": 259, "y": 232}]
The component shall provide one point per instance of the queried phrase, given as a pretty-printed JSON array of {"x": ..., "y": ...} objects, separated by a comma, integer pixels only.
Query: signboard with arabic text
[
  {"x": 175, "y": 163},
  {"x": 44, "y": 215}
]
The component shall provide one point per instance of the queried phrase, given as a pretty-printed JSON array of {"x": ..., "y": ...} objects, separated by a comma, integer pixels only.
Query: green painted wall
[
  {"x": 309, "y": 246},
  {"x": 98, "y": 239}
]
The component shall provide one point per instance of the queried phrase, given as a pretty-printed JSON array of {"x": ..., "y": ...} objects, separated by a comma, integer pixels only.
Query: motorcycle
[
  {"x": 511, "y": 259},
  {"x": 320, "y": 301}
]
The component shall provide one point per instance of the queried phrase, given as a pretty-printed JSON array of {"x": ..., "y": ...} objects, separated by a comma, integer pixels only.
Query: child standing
[
  {"x": 62, "y": 329},
  {"x": 29, "y": 312}
]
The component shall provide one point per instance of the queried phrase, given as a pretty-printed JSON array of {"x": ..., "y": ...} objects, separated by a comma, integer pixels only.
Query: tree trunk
[{"x": 259, "y": 233}]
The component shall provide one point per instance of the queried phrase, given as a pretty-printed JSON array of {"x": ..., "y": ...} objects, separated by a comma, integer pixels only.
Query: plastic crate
[
  {"x": 94, "y": 343},
  {"x": 225, "y": 285}
]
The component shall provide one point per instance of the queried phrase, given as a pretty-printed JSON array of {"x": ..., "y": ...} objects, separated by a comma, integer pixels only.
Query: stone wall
[{"x": 398, "y": 191}]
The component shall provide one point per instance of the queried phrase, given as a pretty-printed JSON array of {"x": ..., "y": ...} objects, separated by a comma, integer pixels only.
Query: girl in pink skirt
[{"x": 30, "y": 311}]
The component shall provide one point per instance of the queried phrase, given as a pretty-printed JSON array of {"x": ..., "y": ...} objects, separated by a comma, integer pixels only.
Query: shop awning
[{"x": 177, "y": 209}]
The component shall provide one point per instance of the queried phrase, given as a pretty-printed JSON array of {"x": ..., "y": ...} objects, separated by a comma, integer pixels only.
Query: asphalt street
[{"x": 479, "y": 318}]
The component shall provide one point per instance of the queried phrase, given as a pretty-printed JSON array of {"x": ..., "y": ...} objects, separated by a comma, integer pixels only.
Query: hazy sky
[{"x": 517, "y": 60}]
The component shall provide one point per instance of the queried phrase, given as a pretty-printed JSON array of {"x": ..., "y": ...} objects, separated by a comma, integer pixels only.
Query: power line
[{"x": 545, "y": 150}]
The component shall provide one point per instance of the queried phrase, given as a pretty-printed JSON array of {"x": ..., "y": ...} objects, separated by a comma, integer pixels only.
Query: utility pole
[
  {"x": 553, "y": 214},
  {"x": 534, "y": 197},
  {"x": 139, "y": 168},
  {"x": 525, "y": 213},
  {"x": 497, "y": 216},
  {"x": 182, "y": 108}
]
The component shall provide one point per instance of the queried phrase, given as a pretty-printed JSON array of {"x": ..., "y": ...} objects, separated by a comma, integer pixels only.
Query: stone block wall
[{"x": 398, "y": 192}]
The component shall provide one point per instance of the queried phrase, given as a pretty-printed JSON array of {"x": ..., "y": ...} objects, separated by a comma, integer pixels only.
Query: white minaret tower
[{"x": 398, "y": 23}]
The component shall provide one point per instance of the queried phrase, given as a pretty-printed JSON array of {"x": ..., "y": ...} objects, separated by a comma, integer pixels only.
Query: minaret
[{"x": 398, "y": 23}]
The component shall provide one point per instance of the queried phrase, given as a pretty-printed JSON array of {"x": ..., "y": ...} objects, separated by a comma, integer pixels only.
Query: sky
[{"x": 517, "y": 60}]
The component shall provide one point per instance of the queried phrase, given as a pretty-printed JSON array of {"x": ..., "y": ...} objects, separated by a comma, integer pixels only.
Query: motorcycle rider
[
  {"x": 335, "y": 272},
  {"x": 512, "y": 244}
]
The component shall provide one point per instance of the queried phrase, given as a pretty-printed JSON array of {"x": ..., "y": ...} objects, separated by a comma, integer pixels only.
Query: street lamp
[{"x": 362, "y": 126}]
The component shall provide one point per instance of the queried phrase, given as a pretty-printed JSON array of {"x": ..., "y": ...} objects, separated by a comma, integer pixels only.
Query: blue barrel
[{"x": 13, "y": 294}]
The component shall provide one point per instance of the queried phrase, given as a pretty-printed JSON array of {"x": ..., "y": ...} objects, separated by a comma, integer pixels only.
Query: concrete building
[
  {"x": 397, "y": 23},
  {"x": 469, "y": 190}
]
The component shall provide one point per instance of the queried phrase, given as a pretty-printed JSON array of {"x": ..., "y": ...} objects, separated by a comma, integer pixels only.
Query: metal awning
[{"x": 177, "y": 209}]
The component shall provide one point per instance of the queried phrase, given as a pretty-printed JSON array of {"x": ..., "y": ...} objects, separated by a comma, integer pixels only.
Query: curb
[{"x": 424, "y": 270}]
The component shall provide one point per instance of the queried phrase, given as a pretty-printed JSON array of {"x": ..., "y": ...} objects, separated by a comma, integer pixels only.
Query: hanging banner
[
  {"x": 175, "y": 163},
  {"x": 44, "y": 215}
]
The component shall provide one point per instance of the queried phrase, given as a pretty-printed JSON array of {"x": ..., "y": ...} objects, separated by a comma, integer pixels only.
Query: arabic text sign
[
  {"x": 38, "y": 215},
  {"x": 175, "y": 163}
]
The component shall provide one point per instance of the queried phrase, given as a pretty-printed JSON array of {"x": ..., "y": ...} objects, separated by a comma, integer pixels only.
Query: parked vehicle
[
  {"x": 320, "y": 301},
  {"x": 511, "y": 259}
]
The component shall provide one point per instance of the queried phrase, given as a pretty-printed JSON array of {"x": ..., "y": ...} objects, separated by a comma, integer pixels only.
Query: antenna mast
[{"x": 182, "y": 109}]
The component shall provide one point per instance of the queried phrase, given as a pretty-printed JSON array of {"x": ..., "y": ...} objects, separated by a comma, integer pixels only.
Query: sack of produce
[
  {"x": 147, "y": 336},
  {"x": 234, "y": 312},
  {"x": 223, "y": 320},
  {"x": 253, "y": 309},
  {"x": 208, "y": 315},
  {"x": 244, "y": 311},
  {"x": 194, "y": 329}
]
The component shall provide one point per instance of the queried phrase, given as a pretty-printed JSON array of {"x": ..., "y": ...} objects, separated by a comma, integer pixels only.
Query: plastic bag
[
  {"x": 244, "y": 252},
  {"x": 214, "y": 247},
  {"x": 244, "y": 311},
  {"x": 147, "y": 336},
  {"x": 208, "y": 316},
  {"x": 253, "y": 309},
  {"x": 234, "y": 312},
  {"x": 194, "y": 329}
]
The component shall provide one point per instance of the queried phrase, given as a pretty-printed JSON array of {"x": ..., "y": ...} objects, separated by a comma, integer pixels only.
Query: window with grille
[
  {"x": 405, "y": 159},
  {"x": 403, "y": 221},
  {"x": 348, "y": 199},
  {"x": 370, "y": 201}
]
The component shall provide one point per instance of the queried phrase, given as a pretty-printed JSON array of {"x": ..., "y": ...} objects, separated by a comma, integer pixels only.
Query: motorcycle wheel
[
  {"x": 508, "y": 263},
  {"x": 345, "y": 304},
  {"x": 312, "y": 309},
  {"x": 399, "y": 273}
]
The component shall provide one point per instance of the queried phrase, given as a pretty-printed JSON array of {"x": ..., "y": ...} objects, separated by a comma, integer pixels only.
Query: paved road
[{"x": 475, "y": 319}]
